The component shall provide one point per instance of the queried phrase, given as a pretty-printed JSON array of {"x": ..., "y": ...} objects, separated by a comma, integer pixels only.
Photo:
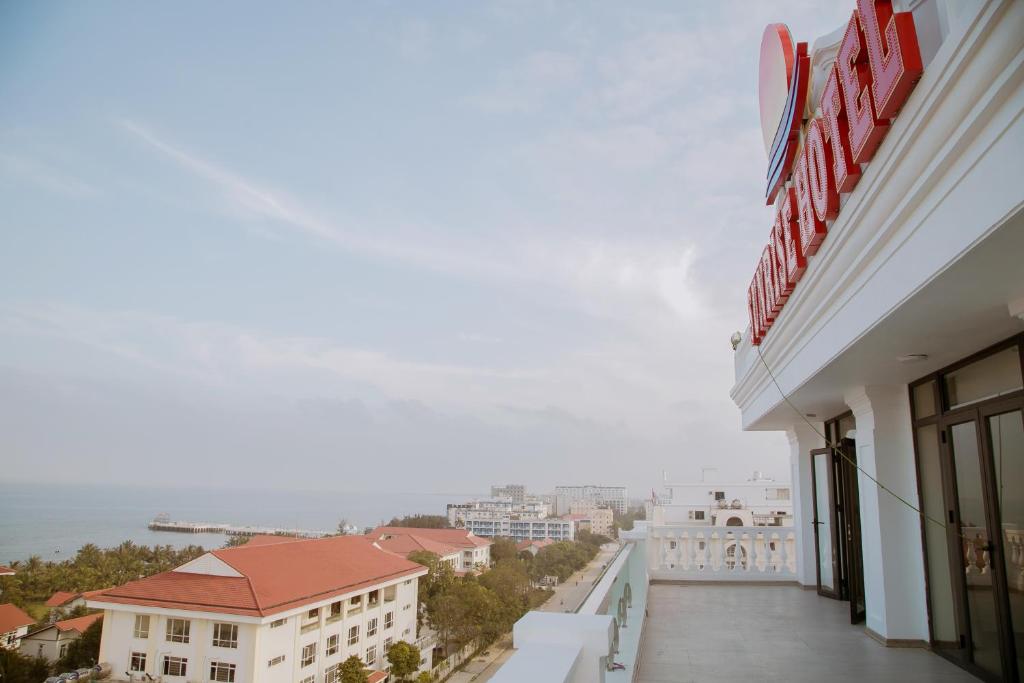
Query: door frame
[{"x": 836, "y": 591}]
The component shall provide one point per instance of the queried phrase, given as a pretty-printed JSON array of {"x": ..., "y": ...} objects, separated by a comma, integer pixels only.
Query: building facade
[
  {"x": 513, "y": 492},
  {"x": 460, "y": 549},
  {"x": 887, "y": 322},
  {"x": 615, "y": 497},
  {"x": 601, "y": 518},
  {"x": 51, "y": 642},
  {"x": 274, "y": 612},
  {"x": 13, "y": 626},
  {"x": 494, "y": 517}
]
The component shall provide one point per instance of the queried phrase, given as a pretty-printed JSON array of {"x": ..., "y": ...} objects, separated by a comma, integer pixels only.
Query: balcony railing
[{"x": 750, "y": 553}]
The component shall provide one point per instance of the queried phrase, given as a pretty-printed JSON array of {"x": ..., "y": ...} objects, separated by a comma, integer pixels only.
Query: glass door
[
  {"x": 825, "y": 540},
  {"x": 849, "y": 513}
]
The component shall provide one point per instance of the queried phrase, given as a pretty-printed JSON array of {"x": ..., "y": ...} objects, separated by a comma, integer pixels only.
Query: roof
[
  {"x": 78, "y": 624},
  {"x": 544, "y": 542},
  {"x": 404, "y": 545},
  {"x": 460, "y": 538},
  {"x": 12, "y": 618},
  {"x": 269, "y": 539},
  {"x": 376, "y": 676},
  {"x": 264, "y": 579},
  {"x": 6, "y": 571},
  {"x": 61, "y": 598}
]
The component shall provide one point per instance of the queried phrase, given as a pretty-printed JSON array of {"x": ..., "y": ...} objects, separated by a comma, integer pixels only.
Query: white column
[
  {"x": 890, "y": 530},
  {"x": 802, "y": 439}
]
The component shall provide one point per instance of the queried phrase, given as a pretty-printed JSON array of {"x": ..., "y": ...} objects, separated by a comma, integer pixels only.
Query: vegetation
[
  {"x": 503, "y": 549},
  {"x": 91, "y": 568},
  {"x": 404, "y": 659},
  {"x": 17, "y": 668},
  {"x": 561, "y": 559},
  {"x": 235, "y": 541},
  {"x": 596, "y": 540},
  {"x": 85, "y": 651},
  {"x": 425, "y": 677},
  {"x": 353, "y": 670},
  {"x": 421, "y": 521},
  {"x": 624, "y": 521}
]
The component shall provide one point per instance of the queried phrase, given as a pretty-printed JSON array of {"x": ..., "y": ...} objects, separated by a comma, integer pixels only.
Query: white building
[
  {"x": 519, "y": 521},
  {"x": 13, "y": 626},
  {"x": 756, "y": 502},
  {"x": 614, "y": 497},
  {"x": 271, "y": 611},
  {"x": 461, "y": 549},
  {"x": 600, "y": 516},
  {"x": 887, "y": 323},
  {"x": 513, "y": 492},
  {"x": 51, "y": 642}
]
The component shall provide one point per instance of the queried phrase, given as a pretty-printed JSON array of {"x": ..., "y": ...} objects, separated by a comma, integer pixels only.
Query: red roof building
[
  {"x": 461, "y": 549},
  {"x": 14, "y": 624},
  {"x": 51, "y": 642}
]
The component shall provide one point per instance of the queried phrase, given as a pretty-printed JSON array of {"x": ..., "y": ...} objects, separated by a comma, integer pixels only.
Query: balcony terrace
[{"x": 737, "y": 632}]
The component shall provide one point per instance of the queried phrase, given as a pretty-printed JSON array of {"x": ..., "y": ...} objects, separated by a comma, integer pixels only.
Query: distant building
[
  {"x": 614, "y": 497},
  {"x": 600, "y": 516},
  {"x": 266, "y": 612},
  {"x": 519, "y": 521},
  {"x": 755, "y": 502},
  {"x": 51, "y": 642},
  {"x": 13, "y": 626},
  {"x": 461, "y": 549},
  {"x": 533, "y": 547},
  {"x": 6, "y": 571},
  {"x": 513, "y": 492}
]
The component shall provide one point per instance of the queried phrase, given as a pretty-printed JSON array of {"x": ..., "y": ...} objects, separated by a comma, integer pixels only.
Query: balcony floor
[{"x": 769, "y": 633}]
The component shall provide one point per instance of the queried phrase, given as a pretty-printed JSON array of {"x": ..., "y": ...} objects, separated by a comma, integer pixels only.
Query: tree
[
  {"x": 404, "y": 659},
  {"x": 235, "y": 541},
  {"x": 17, "y": 668},
  {"x": 85, "y": 651},
  {"x": 352, "y": 670},
  {"x": 421, "y": 521},
  {"x": 425, "y": 677},
  {"x": 503, "y": 549},
  {"x": 467, "y": 611},
  {"x": 342, "y": 524}
]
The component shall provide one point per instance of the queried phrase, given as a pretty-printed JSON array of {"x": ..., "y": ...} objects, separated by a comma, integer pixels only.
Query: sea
[{"x": 54, "y": 520}]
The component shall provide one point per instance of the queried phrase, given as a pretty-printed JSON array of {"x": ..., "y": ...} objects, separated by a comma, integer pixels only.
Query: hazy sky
[{"x": 414, "y": 246}]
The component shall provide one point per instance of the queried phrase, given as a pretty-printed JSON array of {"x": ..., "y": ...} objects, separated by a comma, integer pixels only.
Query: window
[
  {"x": 332, "y": 674},
  {"x": 719, "y": 495},
  {"x": 776, "y": 494},
  {"x": 276, "y": 623},
  {"x": 672, "y": 545},
  {"x": 371, "y": 655},
  {"x": 389, "y": 620},
  {"x": 374, "y": 598},
  {"x": 225, "y": 635},
  {"x": 175, "y": 666},
  {"x": 63, "y": 650},
  {"x": 177, "y": 632},
  {"x": 141, "y": 629},
  {"x": 333, "y": 644},
  {"x": 137, "y": 662},
  {"x": 222, "y": 671},
  {"x": 387, "y": 644},
  {"x": 308, "y": 679},
  {"x": 353, "y": 635},
  {"x": 313, "y": 613},
  {"x": 371, "y": 627},
  {"x": 275, "y": 661},
  {"x": 308, "y": 655},
  {"x": 355, "y": 600},
  {"x": 335, "y": 612}
]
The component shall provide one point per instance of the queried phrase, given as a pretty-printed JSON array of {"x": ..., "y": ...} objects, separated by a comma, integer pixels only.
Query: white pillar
[
  {"x": 894, "y": 592},
  {"x": 802, "y": 438}
]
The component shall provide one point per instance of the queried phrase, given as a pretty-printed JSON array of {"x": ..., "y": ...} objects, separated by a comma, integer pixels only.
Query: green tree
[
  {"x": 421, "y": 521},
  {"x": 404, "y": 659},
  {"x": 85, "y": 651},
  {"x": 467, "y": 611},
  {"x": 342, "y": 523},
  {"x": 425, "y": 677},
  {"x": 503, "y": 549},
  {"x": 235, "y": 541},
  {"x": 17, "y": 668},
  {"x": 352, "y": 670}
]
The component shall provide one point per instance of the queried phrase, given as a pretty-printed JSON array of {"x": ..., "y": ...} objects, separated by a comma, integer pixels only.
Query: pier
[{"x": 163, "y": 522}]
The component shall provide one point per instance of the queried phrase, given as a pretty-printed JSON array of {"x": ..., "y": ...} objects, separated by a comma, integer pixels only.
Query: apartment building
[
  {"x": 461, "y": 549},
  {"x": 275, "y": 610},
  {"x": 513, "y": 492},
  {"x": 52, "y": 642},
  {"x": 614, "y": 497},
  {"x": 600, "y": 517},
  {"x": 520, "y": 521}
]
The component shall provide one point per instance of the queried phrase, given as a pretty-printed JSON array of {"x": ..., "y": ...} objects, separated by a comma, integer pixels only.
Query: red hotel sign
[{"x": 877, "y": 66}]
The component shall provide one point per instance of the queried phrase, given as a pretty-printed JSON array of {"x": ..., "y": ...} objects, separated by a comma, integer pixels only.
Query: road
[{"x": 567, "y": 596}]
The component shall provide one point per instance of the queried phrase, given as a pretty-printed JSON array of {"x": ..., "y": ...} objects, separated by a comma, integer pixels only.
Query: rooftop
[
  {"x": 778, "y": 633},
  {"x": 11, "y": 618},
  {"x": 457, "y": 538},
  {"x": 264, "y": 579},
  {"x": 78, "y": 624}
]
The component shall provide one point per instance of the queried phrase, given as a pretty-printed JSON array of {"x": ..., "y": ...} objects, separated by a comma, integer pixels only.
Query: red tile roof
[
  {"x": 403, "y": 545},
  {"x": 460, "y": 538},
  {"x": 274, "y": 577},
  {"x": 12, "y": 618},
  {"x": 78, "y": 623},
  {"x": 523, "y": 545},
  {"x": 61, "y": 598},
  {"x": 6, "y": 571},
  {"x": 376, "y": 676},
  {"x": 270, "y": 539}
]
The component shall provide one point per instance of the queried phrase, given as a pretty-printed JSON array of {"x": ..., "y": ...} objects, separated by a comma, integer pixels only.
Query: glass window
[
  {"x": 371, "y": 655},
  {"x": 225, "y": 635},
  {"x": 308, "y": 655},
  {"x": 353, "y": 635},
  {"x": 989, "y": 377},
  {"x": 276, "y": 623},
  {"x": 175, "y": 666},
  {"x": 138, "y": 662},
  {"x": 275, "y": 661},
  {"x": 177, "y": 630},
  {"x": 940, "y": 581},
  {"x": 335, "y": 610},
  {"x": 333, "y": 645},
  {"x": 924, "y": 399},
  {"x": 389, "y": 619},
  {"x": 222, "y": 672},
  {"x": 141, "y": 629},
  {"x": 371, "y": 627},
  {"x": 332, "y": 674}
]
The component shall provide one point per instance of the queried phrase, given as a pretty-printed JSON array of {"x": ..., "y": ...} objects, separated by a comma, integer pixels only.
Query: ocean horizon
[{"x": 54, "y": 520}]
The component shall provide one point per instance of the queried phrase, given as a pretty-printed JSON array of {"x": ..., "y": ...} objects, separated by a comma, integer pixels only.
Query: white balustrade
[{"x": 759, "y": 553}]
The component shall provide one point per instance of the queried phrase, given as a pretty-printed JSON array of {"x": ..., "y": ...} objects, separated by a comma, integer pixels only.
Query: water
[{"x": 54, "y": 520}]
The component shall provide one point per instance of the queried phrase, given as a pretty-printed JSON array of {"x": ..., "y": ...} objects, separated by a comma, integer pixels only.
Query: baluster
[
  {"x": 687, "y": 560},
  {"x": 702, "y": 551},
  {"x": 791, "y": 552},
  {"x": 761, "y": 543},
  {"x": 746, "y": 544},
  {"x": 716, "y": 551}
]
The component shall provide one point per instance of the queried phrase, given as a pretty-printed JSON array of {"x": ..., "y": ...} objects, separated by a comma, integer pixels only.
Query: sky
[{"x": 381, "y": 246}]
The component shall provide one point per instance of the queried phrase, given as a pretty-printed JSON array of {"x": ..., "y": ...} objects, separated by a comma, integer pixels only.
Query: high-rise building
[
  {"x": 513, "y": 492},
  {"x": 614, "y": 497}
]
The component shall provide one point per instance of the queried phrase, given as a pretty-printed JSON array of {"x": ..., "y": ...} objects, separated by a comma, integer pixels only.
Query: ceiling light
[{"x": 912, "y": 358}]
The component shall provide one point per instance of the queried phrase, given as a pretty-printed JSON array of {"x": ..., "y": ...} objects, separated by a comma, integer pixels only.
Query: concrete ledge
[
  {"x": 896, "y": 642},
  {"x": 738, "y": 582}
]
